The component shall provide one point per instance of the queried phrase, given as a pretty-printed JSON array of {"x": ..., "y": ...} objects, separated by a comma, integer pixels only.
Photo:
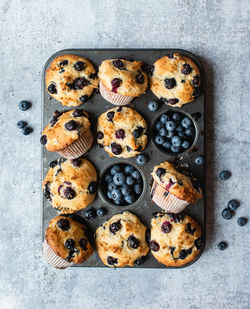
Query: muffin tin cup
[
  {"x": 105, "y": 198},
  {"x": 166, "y": 200},
  {"x": 79, "y": 147},
  {"x": 185, "y": 153},
  {"x": 53, "y": 259},
  {"x": 114, "y": 98}
]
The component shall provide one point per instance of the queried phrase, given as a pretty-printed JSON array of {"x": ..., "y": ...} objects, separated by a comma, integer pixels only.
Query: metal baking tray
[{"x": 95, "y": 106}]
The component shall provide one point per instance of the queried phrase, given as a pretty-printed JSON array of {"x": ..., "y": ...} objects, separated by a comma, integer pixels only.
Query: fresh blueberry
[
  {"x": 108, "y": 178},
  {"x": 126, "y": 190},
  {"x": 26, "y": 130},
  {"x": 159, "y": 125},
  {"x": 163, "y": 132},
  {"x": 129, "y": 199},
  {"x": 189, "y": 131},
  {"x": 185, "y": 144},
  {"x": 116, "y": 194},
  {"x": 159, "y": 140},
  {"x": 176, "y": 117},
  {"x": 176, "y": 141},
  {"x": 233, "y": 205},
  {"x": 119, "y": 179},
  {"x": 227, "y": 213},
  {"x": 115, "y": 169},
  {"x": 129, "y": 169},
  {"x": 90, "y": 214},
  {"x": 181, "y": 134},
  {"x": 242, "y": 221},
  {"x": 21, "y": 124},
  {"x": 175, "y": 149},
  {"x": 141, "y": 159},
  {"x": 186, "y": 122},
  {"x": 101, "y": 212},
  {"x": 170, "y": 134},
  {"x": 153, "y": 106},
  {"x": 179, "y": 129},
  {"x": 130, "y": 180},
  {"x": 166, "y": 145},
  {"x": 119, "y": 201},
  {"x": 112, "y": 186},
  {"x": 136, "y": 175},
  {"x": 92, "y": 187},
  {"x": 164, "y": 118},
  {"x": 222, "y": 245},
  {"x": 24, "y": 105},
  {"x": 138, "y": 189},
  {"x": 199, "y": 160},
  {"x": 225, "y": 175},
  {"x": 170, "y": 125},
  {"x": 109, "y": 195}
]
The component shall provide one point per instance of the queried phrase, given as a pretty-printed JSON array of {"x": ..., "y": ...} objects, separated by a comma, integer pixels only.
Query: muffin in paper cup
[
  {"x": 68, "y": 133},
  {"x": 174, "y": 187},
  {"x": 114, "y": 98},
  {"x": 66, "y": 242},
  {"x": 122, "y": 80}
]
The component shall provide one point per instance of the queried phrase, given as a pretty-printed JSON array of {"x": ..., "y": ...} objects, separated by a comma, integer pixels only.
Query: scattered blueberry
[
  {"x": 170, "y": 125},
  {"x": 153, "y": 106},
  {"x": 101, "y": 212},
  {"x": 26, "y": 130},
  {"x": 176, "y": 141},
  {"x": 92, "y": 187},
  {"x": 186, "y": 122},
  {"x": 159, "y": 140},
  {"x": 199, "y": 160},
  {"x": 222, "y": 245},
  {"x": 141, "y": 159},
  {"x": 21, "y": 124},
  {"x": 227, "y": 213},
  {"x": 24, "y": 105},
  {"x": 115, "y": 169},
  {"x": 242, "y": 221},
  {"x": 90, "y": 214},
  {"x": 225, "y": 175},
  {"x": 119, "y": 179},
  {"x": 233, "y": 205}
]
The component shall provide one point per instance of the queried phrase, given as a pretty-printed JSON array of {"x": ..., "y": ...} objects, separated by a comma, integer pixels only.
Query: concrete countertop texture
[{"x": 218, "y": 33}]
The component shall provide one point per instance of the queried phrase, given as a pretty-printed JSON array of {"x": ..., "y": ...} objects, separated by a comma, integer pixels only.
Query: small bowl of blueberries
[
  {"x": 122, "y": 184},
  {"x": 175, "y": 132}
]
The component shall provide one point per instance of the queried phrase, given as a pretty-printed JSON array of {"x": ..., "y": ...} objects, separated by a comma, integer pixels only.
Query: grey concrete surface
[{"x": 216, "y": 31}]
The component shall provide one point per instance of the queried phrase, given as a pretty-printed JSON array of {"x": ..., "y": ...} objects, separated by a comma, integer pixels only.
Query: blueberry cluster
[
  {"x": 122, "y": 184},
  {"x": 23, "y": 106},
  {"x": 174, "y": 132}
]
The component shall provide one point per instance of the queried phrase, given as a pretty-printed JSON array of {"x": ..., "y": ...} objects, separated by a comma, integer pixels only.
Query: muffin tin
[{"x": 95, "y": 106}]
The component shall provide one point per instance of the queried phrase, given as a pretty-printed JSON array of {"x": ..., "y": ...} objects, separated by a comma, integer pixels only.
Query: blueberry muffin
[
  {"x": 176, "y": 239},
  {"x": 66, "y": 242},
  {"x": 70, "y": 185},
  {"x": 122, "y": 132},
  {"x": 71, "y": 79},
  {"x": 68, "y": 133},
  {"x": 175, "y": 80},
  {"x": 174, "y": 187},
  {"x": 120, "y": 241},
  {"x": 122, "y": 80}
]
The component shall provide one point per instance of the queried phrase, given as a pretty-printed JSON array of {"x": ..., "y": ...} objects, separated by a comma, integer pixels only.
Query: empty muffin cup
[
  {"x": 122, "y": 184},
  {"x": 79, "y": 147},
  {"x": 113, "y": 97}
]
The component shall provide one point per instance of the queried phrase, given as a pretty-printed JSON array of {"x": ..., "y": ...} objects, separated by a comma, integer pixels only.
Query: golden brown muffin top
[
  {"x": 120, "y": 241},
  {"x": 70, "y": 185},
  {"x": 175, "y": 239},
  {"x": 123, "y": 76},
  {"x": 71, "y": 79},
  {"x": 178, "y": 180},
  {"x": 67, "y": 238},
  {"x": 64, "y": 129}
]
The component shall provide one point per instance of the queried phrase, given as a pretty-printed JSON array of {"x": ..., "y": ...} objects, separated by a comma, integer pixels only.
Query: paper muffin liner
[
  {"x": 53, "y": 259},
  {"x": 79, "y": 147},
  {"x": 114, "y": 98},
  {"x": 166, "y": 200}
]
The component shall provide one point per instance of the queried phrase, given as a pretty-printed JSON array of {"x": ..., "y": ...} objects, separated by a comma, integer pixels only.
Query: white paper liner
[
  {"x": 79, "y": 147},
  {"x": 114, "y": 98},
  {"x": 166, "y": 200}
]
